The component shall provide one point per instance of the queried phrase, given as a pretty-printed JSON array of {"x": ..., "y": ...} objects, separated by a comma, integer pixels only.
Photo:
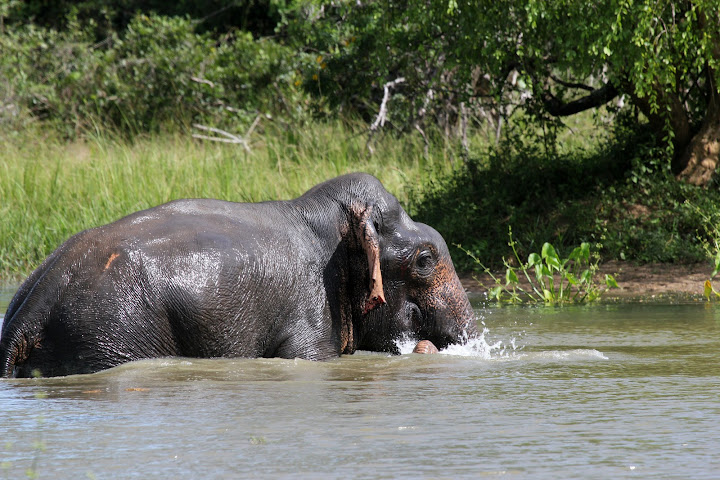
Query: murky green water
[{"x": 607, "y": 391}]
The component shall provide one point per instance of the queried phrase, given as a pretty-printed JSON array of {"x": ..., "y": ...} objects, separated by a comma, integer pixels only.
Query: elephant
[{"x": 341, "y": 268}]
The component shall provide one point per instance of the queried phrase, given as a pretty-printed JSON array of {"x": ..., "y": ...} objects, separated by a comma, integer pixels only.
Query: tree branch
[
  {"x": 571, "y": 85},
  {"x": 595, "y": 98}
]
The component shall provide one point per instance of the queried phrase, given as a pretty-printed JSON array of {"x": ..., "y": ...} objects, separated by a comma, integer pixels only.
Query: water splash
[
  {"x": 473, "y": 347},
  {"x": 406, "y": 344},
  {"x": 479, "y": 347}
]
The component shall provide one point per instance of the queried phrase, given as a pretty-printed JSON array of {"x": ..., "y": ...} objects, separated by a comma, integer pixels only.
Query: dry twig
[
  {"x": 226, "y": 137},
  {"x": 382, "y": 114}
]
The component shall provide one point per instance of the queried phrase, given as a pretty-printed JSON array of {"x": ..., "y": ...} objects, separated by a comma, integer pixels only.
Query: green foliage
[
  {"x": 619, "y": 195},
  {"x": 257, "y": 16},
  {"x": 158, "y": 74},
  {"x": 361, "y": 46},
  {"x": 545, "y": 195},
  {"x": 650, "y": 216},
  {"x": 482, "y": 61},
  {"x": 709, "y": 236},
  {"x": 462, "y": 61},
  {"x": 550, "y": 278}
]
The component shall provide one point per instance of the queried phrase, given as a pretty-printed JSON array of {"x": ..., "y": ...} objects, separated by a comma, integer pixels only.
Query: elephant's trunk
[
  {"x": 426, "y": 347},
  {"x": 457, "y": 321}
]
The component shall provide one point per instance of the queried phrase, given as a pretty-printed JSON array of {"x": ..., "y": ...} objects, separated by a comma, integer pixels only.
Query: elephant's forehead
[{"x": 427, "y": 234}]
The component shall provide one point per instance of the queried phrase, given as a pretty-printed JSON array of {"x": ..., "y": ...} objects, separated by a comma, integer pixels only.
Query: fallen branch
[
  {"x": 254, "y": 124},
  {"x": 203, "y": 81},
  {"x": 226, "y": 137},
  {"x": 382, "y": 114}
]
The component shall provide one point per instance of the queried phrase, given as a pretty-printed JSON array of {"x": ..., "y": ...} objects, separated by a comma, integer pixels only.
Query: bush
[
  {"x": 620, "y": 197},
  {"x": 38, "y": 68},
  {"x": 544, "y": 198},
  {"x": 257, "y": 16},
  {"x": 157, "y": 74}
]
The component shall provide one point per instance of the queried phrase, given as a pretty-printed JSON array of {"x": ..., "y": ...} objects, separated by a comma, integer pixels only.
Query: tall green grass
[{"x": 51, "y": 189}]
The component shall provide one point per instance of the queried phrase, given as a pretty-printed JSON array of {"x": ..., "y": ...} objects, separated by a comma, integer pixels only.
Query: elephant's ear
[{"x": 368, "y": 237}]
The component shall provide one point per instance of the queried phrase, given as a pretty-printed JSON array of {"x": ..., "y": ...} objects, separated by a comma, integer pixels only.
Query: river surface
[{"x": 605, "y": 391}]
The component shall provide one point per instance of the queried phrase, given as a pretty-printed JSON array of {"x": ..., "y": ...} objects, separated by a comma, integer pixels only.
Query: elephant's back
[
  {"x": 205, "y": 225},
  {"x": 198, "y": 215},
  {"x": 211, "y": 267},
  {"x": 197, "y": 235}
]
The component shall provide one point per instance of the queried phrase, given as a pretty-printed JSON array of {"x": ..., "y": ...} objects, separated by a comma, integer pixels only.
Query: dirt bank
[{"x": 635, "y": 280}]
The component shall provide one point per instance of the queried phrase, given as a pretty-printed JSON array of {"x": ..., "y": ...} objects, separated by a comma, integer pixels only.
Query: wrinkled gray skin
[{"x": 341, "y": 268}]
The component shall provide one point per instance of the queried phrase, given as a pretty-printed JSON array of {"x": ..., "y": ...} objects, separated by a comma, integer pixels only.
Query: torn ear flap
[{"x": 367, "y": 234}]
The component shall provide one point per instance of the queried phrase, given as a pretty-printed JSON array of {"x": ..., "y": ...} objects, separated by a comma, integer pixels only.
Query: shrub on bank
[
  {"x": 607, "y": 196},
  {"x": 158, "y": 74}
]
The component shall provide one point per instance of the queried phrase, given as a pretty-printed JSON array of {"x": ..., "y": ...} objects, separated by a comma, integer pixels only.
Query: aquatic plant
[
  {"x": 708, "y": 290},
  {"x": 709, "y": 237},
  {"x": 550, "y": 278}
]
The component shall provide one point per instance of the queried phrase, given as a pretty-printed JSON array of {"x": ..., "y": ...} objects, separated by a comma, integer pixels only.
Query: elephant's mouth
[
  {"x": 415, "y": 316},
  {"x": 419, "y": 325}
]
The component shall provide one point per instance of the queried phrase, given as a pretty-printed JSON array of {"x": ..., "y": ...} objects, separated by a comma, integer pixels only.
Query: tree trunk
[
  {"x": 700, "y": 158},
  {"x": 696, "y": 156},
  {"x": 679, "y": 122}
]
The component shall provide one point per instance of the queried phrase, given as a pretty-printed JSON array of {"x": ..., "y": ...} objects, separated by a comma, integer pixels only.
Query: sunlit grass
[{"x": 51, "y": 189}]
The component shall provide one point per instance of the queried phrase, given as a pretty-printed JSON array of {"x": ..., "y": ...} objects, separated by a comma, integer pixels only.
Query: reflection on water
[{"x": 614, "y": 391}]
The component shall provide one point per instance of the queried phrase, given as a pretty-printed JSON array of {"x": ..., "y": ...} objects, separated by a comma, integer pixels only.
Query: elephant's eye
[{"x": 425, "y": 262}]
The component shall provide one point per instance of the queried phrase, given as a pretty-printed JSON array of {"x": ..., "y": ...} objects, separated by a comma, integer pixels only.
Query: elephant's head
[{"x": 407, "y": 282}]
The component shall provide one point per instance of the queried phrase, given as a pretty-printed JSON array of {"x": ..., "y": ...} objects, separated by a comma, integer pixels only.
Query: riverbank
[{"x": 647, "y": 280}]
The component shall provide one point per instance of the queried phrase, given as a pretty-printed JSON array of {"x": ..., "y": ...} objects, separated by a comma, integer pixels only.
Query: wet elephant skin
[{"x": 341, "y": 268}]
